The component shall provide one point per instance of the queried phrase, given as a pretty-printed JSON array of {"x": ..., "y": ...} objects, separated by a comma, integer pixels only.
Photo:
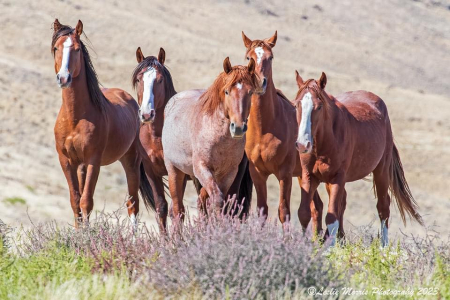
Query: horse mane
[
  {"x": 212, "y": 98},
  {"x": 97, "y": 98},
  {"x": 151, "y": 61},
  {"x": 280, "y": 93}
]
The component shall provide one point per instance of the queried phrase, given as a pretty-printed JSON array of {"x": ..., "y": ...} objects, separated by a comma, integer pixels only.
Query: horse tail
[
  {"x": 245, "y": 189},
  {"x": 197, "y": 184},
  {"x": 146, "y": 190},
  {"x": 400, "y": 190}
]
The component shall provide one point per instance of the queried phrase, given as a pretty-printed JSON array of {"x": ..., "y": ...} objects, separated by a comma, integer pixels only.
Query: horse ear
[
  {"x": 251, "y": 66},
  {"x": 323, "y": 81},
  {"x": 227, "y": 65},
  {"x": 299, "y": 79},
  {"x": 247, "y": 41},
  {"x": 56, "y": 25},
  {"x": 79, "y": 28},
  {"x": 139, "y": 55},
  {"x": 272, "y": 41},
  {"x": 161, "y": 56}
]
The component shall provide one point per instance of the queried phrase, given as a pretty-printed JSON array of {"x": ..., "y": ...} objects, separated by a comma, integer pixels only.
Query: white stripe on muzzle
[
  {"x": 304, "y": 130},
  {"x": 64, "y": 71}
]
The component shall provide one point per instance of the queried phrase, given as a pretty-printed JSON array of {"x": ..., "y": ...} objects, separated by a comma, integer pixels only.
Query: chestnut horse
[
  {"x": 204, "y": 135},
  {"x": 272, "y": 131},
  {"x": 94, "y": 127},
  {"x": 344, "y": 139}
]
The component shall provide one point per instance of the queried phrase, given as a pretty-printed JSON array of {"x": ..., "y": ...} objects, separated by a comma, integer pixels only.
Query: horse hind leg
[
  {"x": 381, "y": 186},
  {"x": 131, "y": 162},
  {"x": 177, "y": 183}
]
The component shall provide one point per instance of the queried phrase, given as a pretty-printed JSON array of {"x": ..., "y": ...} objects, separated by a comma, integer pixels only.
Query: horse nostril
[
  {"x": 69, "y": 78},
  {"x": 233, "y": 126},
  {"x": 308, "y": 145},
  {"x": 152, "y": 113},
  {"x": 245, "y": 128},
  {"x": 264, "y": 82}
]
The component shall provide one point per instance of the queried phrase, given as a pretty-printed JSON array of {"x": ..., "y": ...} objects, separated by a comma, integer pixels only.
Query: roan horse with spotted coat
[
  {"x": 94, "y": 127},
  {"x": 204, "y": 135},
  {"x": 343, "y": 139}
]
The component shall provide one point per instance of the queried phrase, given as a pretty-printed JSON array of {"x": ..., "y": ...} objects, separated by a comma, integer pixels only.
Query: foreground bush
[{"x": 212, "y": 258}]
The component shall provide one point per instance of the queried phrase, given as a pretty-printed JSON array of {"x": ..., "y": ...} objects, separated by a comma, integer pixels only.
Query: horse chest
[{"x": 266, "y": 150}]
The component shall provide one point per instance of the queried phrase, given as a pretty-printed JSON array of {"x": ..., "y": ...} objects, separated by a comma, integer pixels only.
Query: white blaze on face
[
  {"x": 64, "y": 71},
  {"x": 239, "y": 86},
  {"x": 304, "y": 130},
  {"x": 259, "y": 51},
  {"x": 148, "y": 99}
]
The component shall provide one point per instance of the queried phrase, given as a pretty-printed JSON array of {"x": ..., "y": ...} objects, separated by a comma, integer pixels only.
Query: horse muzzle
[
  {"x": 302, "y": 148},
  {"x": 148, "y": 117},
  {"x": 64, "y": 81},
  {"x": 237, "y": 132},
  {"x": 262, "y": 89}
]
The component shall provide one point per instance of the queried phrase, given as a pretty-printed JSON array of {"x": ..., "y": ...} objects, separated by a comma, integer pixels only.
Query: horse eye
[
  {"x": 226, "y": 92},
  {"x": 248, "y": 58},
  {"x": 54, "y": 49},
  {"x": 319, "y": 108},
  {"x": 270, "y": 58}
]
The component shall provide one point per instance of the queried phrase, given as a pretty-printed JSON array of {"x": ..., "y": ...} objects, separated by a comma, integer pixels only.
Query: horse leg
[
  {"x": 130, "y": 163},
  {"x": 70, "y": 172},
  {"x": 381, "y": 180},
  {"x": 157, "y": 184},
  {"x": 341, "y": 233},
  {"x": 260, "y": 182},
  {"x": 176, "y": 188},
  {"x": 87, "y": 198},
  {"x": 337, "y": 192},
  {"x": 235, "y": 186},
  {"x": 316, "y": 207},
  {"x": 309, "y": 186},
  {"x": 81, "y": 177},
  {"x": 206, "y": 178},
  {"x": 284, "y": 208}
]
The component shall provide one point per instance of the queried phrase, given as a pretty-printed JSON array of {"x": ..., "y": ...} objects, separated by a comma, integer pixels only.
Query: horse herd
[{"x": 225, "y": 139}]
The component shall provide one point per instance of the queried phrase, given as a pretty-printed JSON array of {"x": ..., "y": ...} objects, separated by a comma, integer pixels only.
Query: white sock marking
[
  {"x": 304, "y": 130},
  {"x": 384, "y": 234},
  {"x": 148, "y": 101},
  {"x": 332, "y": 230},
  {"x": 259, "y": 53}
]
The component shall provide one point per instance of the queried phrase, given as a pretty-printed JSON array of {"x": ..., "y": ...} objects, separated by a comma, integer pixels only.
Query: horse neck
[
  {"x": 264, "y": 107},
  {"x": 327, "y": 131},
  {"x": 76, "y": 99}
]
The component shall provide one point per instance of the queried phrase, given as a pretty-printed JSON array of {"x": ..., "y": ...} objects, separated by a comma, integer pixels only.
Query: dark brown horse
[
  {"x": 95, "y": 127},
  {"x": 272, "y": 131},
  {"x": 153, "y": 83},
  {"x": 344, "y": 139}
]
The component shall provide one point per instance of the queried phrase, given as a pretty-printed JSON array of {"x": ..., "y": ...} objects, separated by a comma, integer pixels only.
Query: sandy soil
[{"x": 397, "y": 49}]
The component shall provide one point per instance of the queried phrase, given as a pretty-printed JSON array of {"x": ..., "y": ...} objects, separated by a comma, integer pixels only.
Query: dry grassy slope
[{"x": 397, "y": 49}]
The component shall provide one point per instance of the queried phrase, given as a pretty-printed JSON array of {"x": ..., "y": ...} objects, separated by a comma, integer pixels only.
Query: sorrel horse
[
  {"x": 272, "y": 131},
  {"x": 344, "y": 139},
  {"x": 94, "y": 127},
  {"x": 204, "y": 135}
]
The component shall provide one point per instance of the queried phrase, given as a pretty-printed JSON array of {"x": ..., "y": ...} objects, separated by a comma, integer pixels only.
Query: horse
[
  {"x": 95, "y": 127},
  {"x": 272, "y": 131},
  {"x": 343, "y": 139},
  {"x": 204, "y": 135}
]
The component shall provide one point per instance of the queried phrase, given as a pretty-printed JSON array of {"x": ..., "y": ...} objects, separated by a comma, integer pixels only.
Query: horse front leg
[
  {"x": 206, "y": 178},
  {"x": 87, "y": 198},
  {"x": 308, "y": 202},
  {"x": 70, "y": 172},
  {"x": 260, "y": 182},
  {"x": 337, "y": 193},
  {"x": 284, "y": 208}
]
